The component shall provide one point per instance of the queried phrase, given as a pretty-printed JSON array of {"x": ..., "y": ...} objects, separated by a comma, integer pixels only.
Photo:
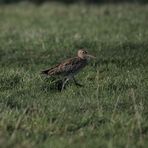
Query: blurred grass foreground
[{"x": 111, "y": 111}]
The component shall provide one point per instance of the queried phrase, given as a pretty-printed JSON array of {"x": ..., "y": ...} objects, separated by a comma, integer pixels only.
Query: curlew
[{"x": 70, "y": 67}]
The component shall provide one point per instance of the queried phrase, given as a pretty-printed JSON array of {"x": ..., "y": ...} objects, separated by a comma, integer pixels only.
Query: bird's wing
[
  {"x": 51, "y": 71},
  {"x": 69, "y": 66}
]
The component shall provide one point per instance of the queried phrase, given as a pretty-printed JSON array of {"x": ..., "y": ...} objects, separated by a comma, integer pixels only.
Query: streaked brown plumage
[{"x": 70, "y": 67}]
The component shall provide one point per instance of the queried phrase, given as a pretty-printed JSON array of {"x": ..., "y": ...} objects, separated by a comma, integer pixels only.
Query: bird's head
[{"x": 83, "y": 54}]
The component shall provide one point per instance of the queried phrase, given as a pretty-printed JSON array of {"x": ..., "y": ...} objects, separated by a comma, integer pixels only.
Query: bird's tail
[
  {"x": 45, "y": 72},
  {"x": 51, "y": 71}
]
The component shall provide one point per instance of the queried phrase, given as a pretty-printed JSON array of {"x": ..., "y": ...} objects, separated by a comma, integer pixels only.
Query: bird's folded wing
[
  {"x": 72, "y": 65},
  {"x": 69, "y": 66}
]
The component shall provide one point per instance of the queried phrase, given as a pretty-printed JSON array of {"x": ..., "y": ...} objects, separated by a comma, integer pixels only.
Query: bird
[{"x": 70, "y": 67}]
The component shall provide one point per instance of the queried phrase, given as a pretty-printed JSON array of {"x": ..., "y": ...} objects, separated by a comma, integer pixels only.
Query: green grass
[{"x": 110, "y": 111}]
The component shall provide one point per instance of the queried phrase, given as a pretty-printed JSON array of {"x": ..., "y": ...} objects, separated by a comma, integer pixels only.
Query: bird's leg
[
  {"x": 64, "y": 83},
  {"x": 78, "y": 84}
]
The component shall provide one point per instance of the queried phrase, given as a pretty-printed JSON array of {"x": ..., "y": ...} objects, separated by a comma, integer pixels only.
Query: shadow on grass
[{"x": 51, "y": 84}]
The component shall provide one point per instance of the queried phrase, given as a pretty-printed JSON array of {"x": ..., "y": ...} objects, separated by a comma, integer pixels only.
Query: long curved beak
[{"x": 91, "y": 56}]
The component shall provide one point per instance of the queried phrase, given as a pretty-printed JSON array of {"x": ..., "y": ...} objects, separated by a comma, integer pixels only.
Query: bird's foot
[{"x": 64, "y": 84}]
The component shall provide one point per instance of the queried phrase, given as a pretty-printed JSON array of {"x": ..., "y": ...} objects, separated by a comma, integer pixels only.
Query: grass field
[{"x": 111, "y": 111}]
